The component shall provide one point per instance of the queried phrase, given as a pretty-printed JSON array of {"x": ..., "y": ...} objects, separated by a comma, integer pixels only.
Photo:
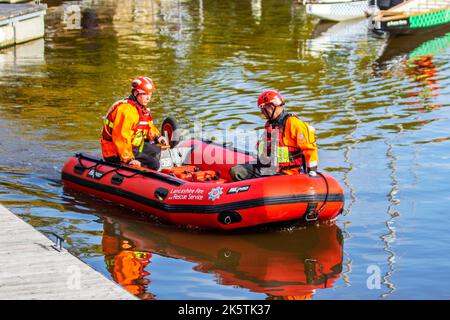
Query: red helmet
[
  {"x": 143, "y": 85},
  {"x": 270, "y": 97}
]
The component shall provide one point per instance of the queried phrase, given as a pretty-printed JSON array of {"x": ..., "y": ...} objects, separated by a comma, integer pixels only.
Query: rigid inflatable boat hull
[{"x": 209, "y": 205}]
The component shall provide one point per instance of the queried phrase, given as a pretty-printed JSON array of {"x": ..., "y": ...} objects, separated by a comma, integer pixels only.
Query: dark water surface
[{"x": 379, "y": 106}]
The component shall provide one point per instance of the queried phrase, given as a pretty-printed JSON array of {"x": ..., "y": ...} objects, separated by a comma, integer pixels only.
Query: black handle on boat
[
  {"x": 305, "y": 169},
  {"x": 326, "y": 195}
]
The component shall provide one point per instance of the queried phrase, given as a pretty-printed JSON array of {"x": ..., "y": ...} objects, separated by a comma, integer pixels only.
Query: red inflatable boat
[{"x": 202, "y": 193}]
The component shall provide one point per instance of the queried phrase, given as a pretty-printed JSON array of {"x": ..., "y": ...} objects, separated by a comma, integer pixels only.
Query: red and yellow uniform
[
  {"x": 294, "y": 138},
  {"x": 286, "y": 143},
  {"x": 126, "y": 126}
]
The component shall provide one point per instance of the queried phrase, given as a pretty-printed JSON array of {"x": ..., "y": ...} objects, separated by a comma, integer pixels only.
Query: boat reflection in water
[
  {"x": 282, "y": 264},
  {"x": 347, "y": 38},
  {"x": 414, "y": 56}
]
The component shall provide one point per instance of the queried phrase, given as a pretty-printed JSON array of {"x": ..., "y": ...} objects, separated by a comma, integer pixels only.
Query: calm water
[{"x": 380, "y": 107}]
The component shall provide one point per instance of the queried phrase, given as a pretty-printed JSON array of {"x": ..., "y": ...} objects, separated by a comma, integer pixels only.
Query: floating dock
[
  {"x": 31, "y": 268},
  {"x": 21, "y": 22}
]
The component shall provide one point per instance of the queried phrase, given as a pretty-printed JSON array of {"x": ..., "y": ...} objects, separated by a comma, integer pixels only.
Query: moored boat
[
  {"x": 412, "y": 15},
  {"x": 338, "y": 10}
]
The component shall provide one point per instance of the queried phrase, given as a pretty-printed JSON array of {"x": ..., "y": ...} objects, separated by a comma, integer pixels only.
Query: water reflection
[
  {"x": 257, "y": 10},
  {"x": 125, "y": 262},
  {"x": 423, "y": 71},
  {"x": 27, "y": 55},
  {"x": 414, "y": 56},
  {"x": 414, "y": 45},
  {"x": 393, "y": 212},
  {"x": 286, "y": 265},
  {"x": 327, "y": 38}
]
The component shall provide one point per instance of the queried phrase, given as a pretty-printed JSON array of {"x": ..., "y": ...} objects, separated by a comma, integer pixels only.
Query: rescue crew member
[
  {"x": 288, "y": 135},
  {"x": 128, "y": 125}
]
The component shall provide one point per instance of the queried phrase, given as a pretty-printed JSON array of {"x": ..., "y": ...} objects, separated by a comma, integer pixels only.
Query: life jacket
[
  {"x": 140, "y": 130},
  {"x": 285, "y": 156}
]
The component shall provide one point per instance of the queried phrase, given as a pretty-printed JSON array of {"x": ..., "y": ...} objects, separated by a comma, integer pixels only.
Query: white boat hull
[{"x": 341, "y": 11}]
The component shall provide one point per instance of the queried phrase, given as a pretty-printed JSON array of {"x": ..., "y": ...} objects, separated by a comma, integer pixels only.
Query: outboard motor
[{"x": 173, "y": 157}]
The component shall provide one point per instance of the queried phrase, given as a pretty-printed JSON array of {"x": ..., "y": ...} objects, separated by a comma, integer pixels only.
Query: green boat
[{"x": 412, "y": 15}]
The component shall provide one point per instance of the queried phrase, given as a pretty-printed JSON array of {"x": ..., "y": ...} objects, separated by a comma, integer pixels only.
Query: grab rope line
[
  {"x": 84, "y": 167},
  {"x": 94, "y": 167},
  {"x": 326, "y": 195}
]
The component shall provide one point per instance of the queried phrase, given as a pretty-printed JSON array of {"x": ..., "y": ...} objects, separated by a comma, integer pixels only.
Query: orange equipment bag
[{"x": 192, "y": 173}]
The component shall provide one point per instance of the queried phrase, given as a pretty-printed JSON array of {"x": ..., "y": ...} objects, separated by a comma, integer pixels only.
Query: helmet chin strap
[
  {"x": 134, "y": 98},
  {"x": 273, "y": 113}
]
